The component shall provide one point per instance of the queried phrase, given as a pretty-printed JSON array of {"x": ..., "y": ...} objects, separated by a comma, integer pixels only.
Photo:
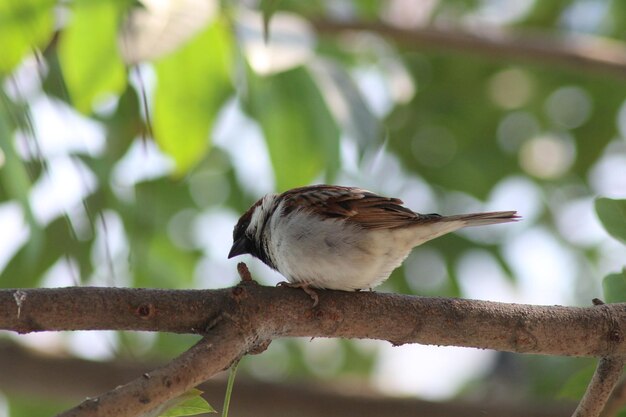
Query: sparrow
[{"x": 340, "y": 238}]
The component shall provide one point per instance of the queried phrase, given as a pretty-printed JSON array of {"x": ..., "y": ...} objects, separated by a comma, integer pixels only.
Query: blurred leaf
[
  {"x": 155, "y": 260},
  {"x": 601, "y": 125},
  {"x": 170, "y": 266},
  {"x": 88, "y": 53},
  {"x": 546, "y": 13},
  {"x": 168, "y": 345},
  {"x": 193, "y": 83},
  {"x": 164, "y": 197},
  {"x": 614, "y": 286},
  {"x": 455, "y": 7},
  {"x": 575, "y": 387},
  {"x": 24, "y": 26},
  {"x": 347, "y": 104},
  {"x": 304, "y": 8},
  {"x": 442, "y": 134},
  {"x": 53, "y": 83},
  {"x": 14, "y": 178},
  {"x": 369, "y": 9},
  {"x": 17, "y": 183},
  {"x": 302, "y": 137},
  {"x": 123, "y": 126},
  {"x": 357, "y": 361},
  {"x": 617, "y": 12},
  {"x": 548, "y": 374},
  {"x": 28, "y": 406},
  {"x": 42, "y": 251},
  {"x": 612, "y": 214},
  {"x": 605, "y": 98}
]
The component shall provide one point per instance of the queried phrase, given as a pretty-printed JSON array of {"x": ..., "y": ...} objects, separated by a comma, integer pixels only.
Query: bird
[{"x": 340, "y": 238}]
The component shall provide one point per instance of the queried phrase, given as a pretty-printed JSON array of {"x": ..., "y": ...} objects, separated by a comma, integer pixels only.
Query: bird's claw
[{"x": 305, "y": 287}]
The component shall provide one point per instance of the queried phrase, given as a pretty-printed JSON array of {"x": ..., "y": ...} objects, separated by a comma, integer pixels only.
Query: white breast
[{"x": 334, "y": 254}]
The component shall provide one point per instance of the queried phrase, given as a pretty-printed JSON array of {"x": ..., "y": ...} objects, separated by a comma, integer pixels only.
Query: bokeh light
[{"x": 547, "y": 156}]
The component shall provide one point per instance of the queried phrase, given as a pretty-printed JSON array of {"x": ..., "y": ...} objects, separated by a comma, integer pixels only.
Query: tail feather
[
  {"x": 431, "y": 226},
  {"x": 481, "y": 219}
]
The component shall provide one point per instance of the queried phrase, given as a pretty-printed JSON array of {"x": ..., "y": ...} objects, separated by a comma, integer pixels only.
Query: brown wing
[{"x": 356, "y": 205}]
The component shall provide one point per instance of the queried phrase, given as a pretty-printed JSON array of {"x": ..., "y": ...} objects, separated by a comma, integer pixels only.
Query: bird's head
[{"x": 248, "y": 232}]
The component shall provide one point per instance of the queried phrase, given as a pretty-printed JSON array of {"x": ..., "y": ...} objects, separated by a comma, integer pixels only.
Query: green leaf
[
  {"x": 612, "y": 214},
  {"x": 614, "y": 286},
  {"x": 191, "y": 404},
  {"x": 301, "y": 135},
  {"x": 193, "y": 83},
  {"x": 24, "y": 25},
  {"x": 88, "y": 54}
]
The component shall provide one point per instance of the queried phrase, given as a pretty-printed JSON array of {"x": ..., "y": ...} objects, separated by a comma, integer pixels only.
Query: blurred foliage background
[{"x": 134, "y": 133}]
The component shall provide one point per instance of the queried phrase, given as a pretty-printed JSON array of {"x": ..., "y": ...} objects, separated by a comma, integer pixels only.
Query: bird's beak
[{"x": 240, "y": 246}]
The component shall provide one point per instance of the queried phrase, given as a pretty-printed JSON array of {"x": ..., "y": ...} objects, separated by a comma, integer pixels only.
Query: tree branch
[
  {"x": 214, "y": 353},
  {"x": 617, "y": 400},
  {"x": 283, "y": 312},
  {"x": 32, "y": 375},
  {"x": 572, "y": 51},
  {"x": 599, "y": 390},
  {"x": 237, "y": 320}
]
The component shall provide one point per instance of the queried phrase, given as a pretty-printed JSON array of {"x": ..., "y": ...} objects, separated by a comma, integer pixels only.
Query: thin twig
[
  {"x": 599, "y": 390},
  {"x": 229, "y": 388},
  {"x": 244, "y": 272}
]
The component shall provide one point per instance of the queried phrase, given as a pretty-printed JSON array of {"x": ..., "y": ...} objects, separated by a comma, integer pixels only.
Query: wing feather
[
  {"x": 371, "y": 211},
  {"x": 356, "y": 205}
]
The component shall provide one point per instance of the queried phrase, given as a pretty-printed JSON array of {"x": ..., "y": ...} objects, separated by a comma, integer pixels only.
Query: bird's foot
[{"x": 305, "y": 287}]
